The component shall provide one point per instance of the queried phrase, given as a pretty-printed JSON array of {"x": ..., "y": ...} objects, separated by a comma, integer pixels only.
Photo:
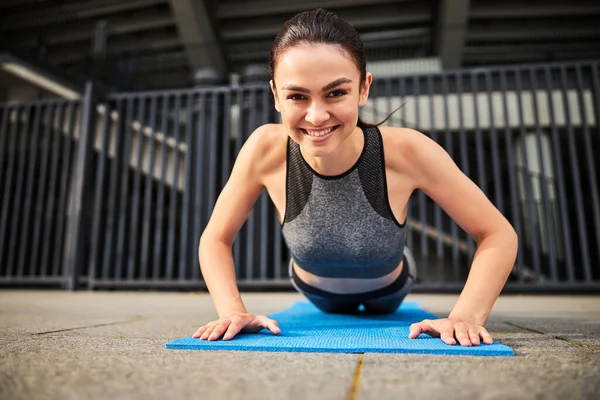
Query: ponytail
[{"x": 363, "y": 124}]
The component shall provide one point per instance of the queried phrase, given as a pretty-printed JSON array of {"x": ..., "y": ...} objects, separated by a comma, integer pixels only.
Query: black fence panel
[
  {"x": 162, "y": 159},
  {"x": 37, "y": 143}
]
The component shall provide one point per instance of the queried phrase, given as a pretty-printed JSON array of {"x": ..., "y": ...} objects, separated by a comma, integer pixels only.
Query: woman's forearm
[
  {"x": 218, "y": 271},
  {"x": 492, "y": 263}
]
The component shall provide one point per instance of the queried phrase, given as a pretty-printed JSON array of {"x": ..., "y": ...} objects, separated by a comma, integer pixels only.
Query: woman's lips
[{"x": 317, "y": 139}]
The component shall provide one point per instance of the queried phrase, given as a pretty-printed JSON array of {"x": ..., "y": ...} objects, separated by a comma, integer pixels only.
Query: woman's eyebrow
[{"x": 325, "y": 88}]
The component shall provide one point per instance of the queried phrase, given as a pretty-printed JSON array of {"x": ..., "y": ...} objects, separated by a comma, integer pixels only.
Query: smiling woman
[{"x": 341, "y": 189}]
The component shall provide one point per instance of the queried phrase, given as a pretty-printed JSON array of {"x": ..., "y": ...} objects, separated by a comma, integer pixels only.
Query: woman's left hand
[{"x": 452, "y": 331}]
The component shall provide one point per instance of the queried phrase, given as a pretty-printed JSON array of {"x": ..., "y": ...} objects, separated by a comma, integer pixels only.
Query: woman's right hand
[{"x": 232, "y": 324}]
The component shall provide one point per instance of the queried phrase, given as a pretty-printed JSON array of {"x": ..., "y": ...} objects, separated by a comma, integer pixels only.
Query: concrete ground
[{"x": 111, "y": 345}]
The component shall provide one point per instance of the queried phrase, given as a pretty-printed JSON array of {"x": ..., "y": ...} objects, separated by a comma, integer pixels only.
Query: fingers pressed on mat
[
  {"x": 474, "y": 338},
  {"x": 218, "y": 331},
  {"x": 448, "y": 337},
  {"x": 233, "y": 330}
]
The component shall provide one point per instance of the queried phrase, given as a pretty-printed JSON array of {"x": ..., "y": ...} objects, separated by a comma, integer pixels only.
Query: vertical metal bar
[
  {"x": 113, "y": 195},
  {"x": 158, "y": 236},
  {"x": 388, "y": 94},
  {"x": 4, "y": 135},
  {"x": 549, "y": 221},
  {"x": 52, "y": 186},
  {"x": 448, "y": 141},
  {"x": 498, "y": 195},
  {"x": 81, "y": 193},
  {"x": 135, "y": 202},
  {"x": 146, "y": 250},
  {"x": 589, "y": 158},
  {"x": 478, "y": 135},
  {"x": 525, "y": 173},
  {"x": 250, "y": 237},
  {"x": 19, "y": 187},
  {"x": 264, "y": 205},
  {"x": 464, "y": 149},
  {"x": 375, "y": 96},
  {"x": 3, "y": 141},
  {"x": 186, "y": 216},
  {"x": 6, "y": 194},
  {"x": 556, "y": 148},
  {"x": 226, "y": 138},
  {"x": 174, "y": 189},
  {"x": 421, "y": 195},
  {"x": 237, "y": 247},
  {"x": 103, "y": 154},
  {"x": 212, "y": 152},
  {"x": 403, "y": 95},
  {"x": 434, "y": 136},
  {"x": 583, "y": 242},
  {"x": 199, "y": 161},
  {"x": 25, "y": 245},
  {"x": 123, "y": 217},
  {"x": 41, "y": 199},
  {"x": 63, "y": 203},
  {"x": 595, "y": 89},
  {"x": 6, "y": 203}
]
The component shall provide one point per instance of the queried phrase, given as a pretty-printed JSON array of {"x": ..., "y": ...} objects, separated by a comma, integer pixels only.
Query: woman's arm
[
  {"x": 230, "y": 212},
  {"x": 437, "y": 175}
]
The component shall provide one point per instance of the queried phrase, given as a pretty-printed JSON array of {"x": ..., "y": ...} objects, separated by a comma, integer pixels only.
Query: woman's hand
[
  {"x": 451, "y": 331},
  {"x": 231, "y": 325}
]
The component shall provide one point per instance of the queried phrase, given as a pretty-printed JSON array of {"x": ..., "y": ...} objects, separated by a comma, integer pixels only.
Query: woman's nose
[{"x": 316, "y": 114}]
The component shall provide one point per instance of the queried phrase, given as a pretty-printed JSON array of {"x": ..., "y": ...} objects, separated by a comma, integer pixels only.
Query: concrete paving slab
[
  {"x": 71, "y": 367},
  {"x": 584, "y": 332},
  {"x": 548, "y": 375},
  {"x": 111, "y": 345}
]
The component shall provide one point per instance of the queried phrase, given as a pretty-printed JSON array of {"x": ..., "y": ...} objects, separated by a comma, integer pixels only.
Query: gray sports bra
[{"x": 342, "y": 226}]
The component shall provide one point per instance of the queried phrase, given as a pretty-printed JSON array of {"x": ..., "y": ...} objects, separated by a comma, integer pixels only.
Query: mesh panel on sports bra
[
  {"x": 298, "y": 183},
  {"x": 372, "y": 175}
]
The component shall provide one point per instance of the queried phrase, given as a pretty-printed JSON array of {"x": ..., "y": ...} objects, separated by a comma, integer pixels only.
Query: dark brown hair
[{"x": 322, "y": 26}]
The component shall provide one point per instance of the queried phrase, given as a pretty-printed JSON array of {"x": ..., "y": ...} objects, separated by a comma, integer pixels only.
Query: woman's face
[{"x": 317, "y": 93}]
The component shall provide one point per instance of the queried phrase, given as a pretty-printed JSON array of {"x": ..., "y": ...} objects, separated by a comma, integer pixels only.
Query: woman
[{"x": 341, "y": 189}]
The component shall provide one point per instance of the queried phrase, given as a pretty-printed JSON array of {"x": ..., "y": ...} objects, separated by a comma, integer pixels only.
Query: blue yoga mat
[{"x": 304, "y": 328}]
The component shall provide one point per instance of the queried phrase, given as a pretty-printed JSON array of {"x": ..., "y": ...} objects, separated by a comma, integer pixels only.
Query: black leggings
[{"x": 381, "y": 301}]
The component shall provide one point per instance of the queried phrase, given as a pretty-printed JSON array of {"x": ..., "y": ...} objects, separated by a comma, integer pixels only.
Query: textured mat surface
[{"x": 304, "y": 328}]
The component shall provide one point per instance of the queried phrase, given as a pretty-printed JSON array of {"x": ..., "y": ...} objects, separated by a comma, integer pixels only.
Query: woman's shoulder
[
  {"x": 268, "y": 135},
  {"x": 400, "y": 145},
  {"x": 268, "y": 146}
]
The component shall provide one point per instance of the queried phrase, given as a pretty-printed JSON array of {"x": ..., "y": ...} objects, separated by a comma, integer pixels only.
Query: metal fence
[
  {"x": 114, "y": 191},
  {"x": 37, "y": 144}
]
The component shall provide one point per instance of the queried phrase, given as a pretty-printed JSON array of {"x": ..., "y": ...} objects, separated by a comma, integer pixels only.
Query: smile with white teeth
[{"x": 319, "y": 133}]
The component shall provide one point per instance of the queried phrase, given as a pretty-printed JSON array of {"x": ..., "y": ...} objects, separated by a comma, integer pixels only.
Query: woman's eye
[
  {"x": 296, "y": 97},
  {"x": 337, "y": 93}
]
